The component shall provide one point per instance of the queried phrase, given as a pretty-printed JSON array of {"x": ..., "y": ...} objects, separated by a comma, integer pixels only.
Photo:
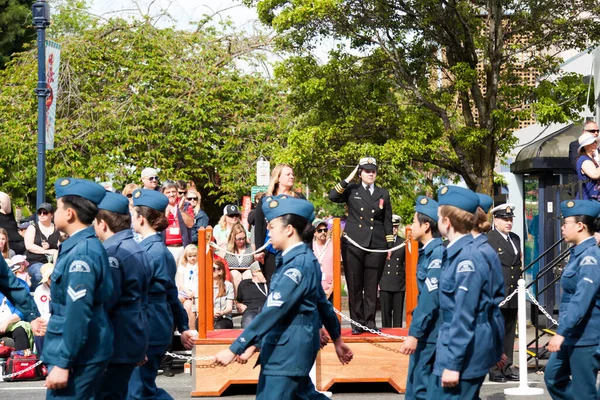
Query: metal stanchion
[{"x": 523, "y": 389}]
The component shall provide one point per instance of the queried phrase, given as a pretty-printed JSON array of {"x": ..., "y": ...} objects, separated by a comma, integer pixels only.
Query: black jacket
[
  {"x": 393, "y": 278},
  {"x": 511, "y": 262}
]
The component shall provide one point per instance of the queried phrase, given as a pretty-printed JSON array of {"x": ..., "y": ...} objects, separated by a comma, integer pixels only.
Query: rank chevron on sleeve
[{"x": 76, "y": 295}]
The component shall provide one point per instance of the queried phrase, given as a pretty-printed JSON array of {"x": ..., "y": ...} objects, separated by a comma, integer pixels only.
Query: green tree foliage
[
  {"x": 16, "y": 31},
  {"x": 427, "y": 86},
  {"x": 132, "y": 95}
]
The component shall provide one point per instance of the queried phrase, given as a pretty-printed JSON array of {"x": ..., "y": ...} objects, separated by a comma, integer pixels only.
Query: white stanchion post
[{"x": 523, "y": 389}]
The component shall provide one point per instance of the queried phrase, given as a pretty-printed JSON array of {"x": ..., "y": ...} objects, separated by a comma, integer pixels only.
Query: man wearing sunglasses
[
  {"x": 150, "y": 178},
  {"x": 589, "y": 127},
  {"x": 323, "y": 249}
]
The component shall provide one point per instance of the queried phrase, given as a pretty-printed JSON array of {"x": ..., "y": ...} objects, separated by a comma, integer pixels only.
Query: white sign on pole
[
  {"x": 263, "y": 172},
  {"x": 52, "y": 68}
]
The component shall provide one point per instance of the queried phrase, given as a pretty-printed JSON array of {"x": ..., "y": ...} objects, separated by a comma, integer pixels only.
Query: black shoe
[
  {"x": 512, "y": 377},
  {"x": 498, "y": 378},
  {"x": 168, "y": 372},
  {"x": 356, "y": 331},
  {"x": 376, "y": 330}
]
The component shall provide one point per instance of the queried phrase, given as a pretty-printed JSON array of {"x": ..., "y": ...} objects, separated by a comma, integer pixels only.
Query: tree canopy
[{"x": 16, "y": 30}]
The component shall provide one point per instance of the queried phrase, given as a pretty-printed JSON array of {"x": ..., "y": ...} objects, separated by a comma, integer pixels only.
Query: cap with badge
[
  {"x": 570, "y": 208},
  {"x": 504, "y": 211},
  {"x": 427, "y": 206},
  {"x": 485, "y": 202},
  {"x": 115, "y": 202},
  {"x": 396, "y": 220},
  {"x": 79, "y": 187},
  {"x": 276, "y": 206},
  {"x": 150, "y": 198},
  {"x": 368, "y": 163},
  {"x": 231, "y": 209},
  {"x": 459, "y": 197}
]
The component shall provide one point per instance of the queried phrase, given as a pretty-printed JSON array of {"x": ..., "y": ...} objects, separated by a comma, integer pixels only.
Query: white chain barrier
[
  {"x": 534, "y": 301},
  {"x": 366, "y": 329},
  {"x": 507, "y": 299},
  {"x": 9, "y": 376},
  {"x": 352, "y": 242},
  {"x": 190, "y": 358},
  {"x": 259, "y": 250}
]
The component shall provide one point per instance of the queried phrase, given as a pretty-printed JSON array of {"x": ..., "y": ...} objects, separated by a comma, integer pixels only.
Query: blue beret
[
  {"x": 485, "y": 202},
  {"x": 115, "y": 202},
  {"x": 460, "y": 197},
  {"x": 580, "y": 207},
  {"x": 150, "y": 198},
  {"x": 79, "y": 187},
  {"x": 276, "y": 206},
  {"x": 427, "y": 206}
]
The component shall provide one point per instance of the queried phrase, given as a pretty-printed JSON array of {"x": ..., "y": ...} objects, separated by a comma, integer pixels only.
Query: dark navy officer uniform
[
  {"x": 392, "y": 286},
  {"x": 131, "y": 273},
  {"x": 16, "y": 293},
  {"x": 287, "y": 329},
  {"x": 464, "y": 343},
  {"x": 579, "y": 313},
  {"x": 426, "y": 316},
  {"x": 164, "y": 307},
  {"x": 369, "y": 224},
  {"x": 79, "y": 336}
]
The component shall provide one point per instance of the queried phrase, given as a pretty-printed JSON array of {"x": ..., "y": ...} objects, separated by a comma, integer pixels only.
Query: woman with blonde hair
[
  {"x": 282, "y": 182},
  {"x": 239, "y": 263},
  {"x": 200, "y": 218},
  {"x": 187, "y": 280},
  {"x": 7, "y": 253}
]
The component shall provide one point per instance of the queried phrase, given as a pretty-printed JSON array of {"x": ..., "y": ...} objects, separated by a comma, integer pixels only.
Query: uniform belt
[
  {"x": 157, "y": 297},
  {"x": 59, "y": 309},
  {"x": 131, "y": 305},
  {"x": 301, "y": 319},
  {"x": 482, "y": 318}
]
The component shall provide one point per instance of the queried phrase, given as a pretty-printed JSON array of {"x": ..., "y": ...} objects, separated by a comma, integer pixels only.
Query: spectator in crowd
[
  {"x": 19, "y": 265},
  {"x": 150, "y": 179},
  {"x": 282, "y": 182},
  {"x": 588, "y": 127},
  {"x": 42, "y": 301},
  {"x": 11, "y": 324},
  {"x": 231, "y": 216},
  {"x": 182, "y": 190},
  {"x": 392, "y": 284},
  {"x": 7, "y": 252},
  {"x": 180, "y": 217},
  {"x": 22, "y": 226},
  {"x": 187, "y": 280},
  {"x": 41, "y": 241},
  {"x": 588, "y": 169},
  {"x": 242, "y": 259},
  {"x": 323, "y": 249},
  {"x": 251, "y": 295},
  {"x": 128, "y": 192},
  {"x": 200, "y": 218},
  {"x": 8, "y": 223},
  {"x": 223, "y": 297}
]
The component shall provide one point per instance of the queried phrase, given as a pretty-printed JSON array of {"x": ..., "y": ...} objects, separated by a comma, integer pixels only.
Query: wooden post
[
  {"x": 202, "y": 328},
  {"x": 336, "y": 240},
  {"x": 412, "y": 291},
  {"x": 208, "y": 281}
]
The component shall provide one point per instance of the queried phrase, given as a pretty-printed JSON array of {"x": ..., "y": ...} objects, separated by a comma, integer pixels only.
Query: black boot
[{"x": 168, "y": 372}]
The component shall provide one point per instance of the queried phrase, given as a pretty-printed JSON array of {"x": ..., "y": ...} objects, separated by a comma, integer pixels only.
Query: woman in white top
[
  {"x": 222, "y": 296},
  {"x": 187, "y": 280},
  {"x": 239, "y": 263},
  {"x": 231, "y": 216}
]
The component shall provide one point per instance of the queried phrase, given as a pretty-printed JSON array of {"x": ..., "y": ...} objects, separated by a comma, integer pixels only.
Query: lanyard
[
  {"x": 264, "y": 292},
  {"x": 321, "y": 253}
]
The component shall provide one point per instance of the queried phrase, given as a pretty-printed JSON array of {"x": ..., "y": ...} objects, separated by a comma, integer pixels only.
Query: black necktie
[{"x": 367, "y": 189}]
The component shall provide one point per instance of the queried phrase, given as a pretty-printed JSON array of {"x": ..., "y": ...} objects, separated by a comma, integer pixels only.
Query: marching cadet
[
  {"x": 287, "y": 328},
  {"x": 572, "y": 369},
  {"x": 392, "y": 285},
  {"x": 131, "y": 273},
  {"x": 79, "y": 338},
  {"x": 164, "y": 307},
  {"x": 508, "y": 247},
  {"x": 424, "y": 327},
  {"x": 464, "y": 352},
  {"x": 480, "y": 240},
  {"x": 369, "y": 225}
]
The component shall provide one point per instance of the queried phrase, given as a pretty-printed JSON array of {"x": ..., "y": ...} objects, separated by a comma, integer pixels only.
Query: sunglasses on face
[
  {"x": 192, "y": 198},
  {"x": 321, "y": 230},
  {"x": 153, "y": 178},
  {"x": 233, "y": 216},
  {"x": 43, "y": 212},
  {"x": 240, "y": 239},
  {"x": 181, "y": 192},
  {"x": 130, "y": 195},
  {"x": 592, "y": 130}
]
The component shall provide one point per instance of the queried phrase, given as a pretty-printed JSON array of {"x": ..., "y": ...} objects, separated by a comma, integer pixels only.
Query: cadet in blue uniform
[
  {"x": 287, "y": 328},
  {"x": 480, "y": 240},
  {"x": 369, "y": 224},
  {"x": 572, "y": 369},
  {"x": 126, "y": 308},
  {"x": 464, "y": 351},
  {"x": 79, "y": 339},
  {"x": 164, "y": 307},
  {"x": 422, "y": 335}
]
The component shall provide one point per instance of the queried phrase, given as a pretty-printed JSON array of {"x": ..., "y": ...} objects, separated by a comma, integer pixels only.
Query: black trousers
[
  {"x": 392, "y": 308},
  {"x": 510, "y": 327},
  {"x": 19, "y": 337},
  {"x": 269, "y": 266},
  {"x": 363, "y": 271}
]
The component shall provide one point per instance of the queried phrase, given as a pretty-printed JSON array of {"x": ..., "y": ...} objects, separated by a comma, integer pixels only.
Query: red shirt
[{"x": 173, "y": 233}]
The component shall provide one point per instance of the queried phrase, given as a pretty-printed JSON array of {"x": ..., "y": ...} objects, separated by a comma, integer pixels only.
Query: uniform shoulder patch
[
  {"x": 79, "y": 266},
  {"x": 465, "y": 266},
  {"x": 435, "y": 264},
  {"x": 588, "y": 260},
  {"x": 294, "y": 275},
  {"x": 113, "y": 262},
  {"x": 274, "y": 300}
]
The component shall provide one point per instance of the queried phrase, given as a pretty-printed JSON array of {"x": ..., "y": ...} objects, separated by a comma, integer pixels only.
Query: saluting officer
[
  {"x": 287, "y": 328},
  {"x": 79, "y": 339},
  {"x": 578, "y": 333},
  {"x": 164, "y": 308},
  {"x": 464, "y": 351},
  {"x": 126, "y": 308},
  {"x": 392, "y": 285},
  {"x": 369, "y": 224},
  {"x": 508, "y": 246},
  {"x": 424, "y": 327}
]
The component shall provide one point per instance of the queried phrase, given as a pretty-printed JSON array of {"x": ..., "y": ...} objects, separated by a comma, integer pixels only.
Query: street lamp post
[{"x": 41, "y": 20}]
